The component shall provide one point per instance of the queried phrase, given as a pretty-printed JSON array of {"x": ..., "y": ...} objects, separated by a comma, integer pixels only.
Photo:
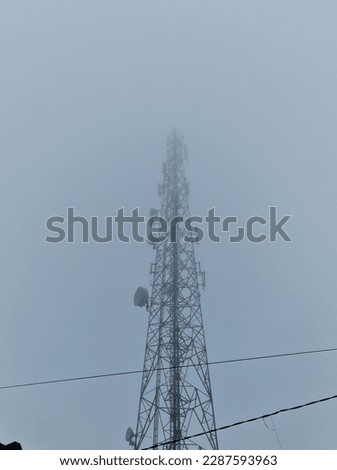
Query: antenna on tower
[
  {"x": 141, "y": 298},
  {"x": 129, "y": 436}
]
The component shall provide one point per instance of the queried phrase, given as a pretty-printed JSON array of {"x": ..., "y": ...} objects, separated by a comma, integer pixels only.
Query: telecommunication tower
[{"x": 176, "y": 396}]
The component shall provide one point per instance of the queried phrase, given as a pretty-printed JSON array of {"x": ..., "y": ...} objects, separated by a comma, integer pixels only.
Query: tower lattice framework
[{"x": 176, "y": 396}]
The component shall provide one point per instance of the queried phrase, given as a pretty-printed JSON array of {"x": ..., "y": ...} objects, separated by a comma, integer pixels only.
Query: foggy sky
[{"x": 89, "y": 91}]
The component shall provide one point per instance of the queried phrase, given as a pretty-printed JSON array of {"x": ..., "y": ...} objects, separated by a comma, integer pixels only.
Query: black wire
[
  {"x": 269, "y": 429},
  {"x": 132, "y": 372},
  {"x": 238, "y": 423}
]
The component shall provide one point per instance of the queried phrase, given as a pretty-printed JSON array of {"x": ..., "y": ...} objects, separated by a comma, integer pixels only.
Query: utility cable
[
  {"x": 132, "y": 372},
  {"x": 239, "y": 423}
]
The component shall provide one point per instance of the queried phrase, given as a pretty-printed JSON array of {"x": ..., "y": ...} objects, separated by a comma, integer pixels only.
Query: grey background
[{"x": 89, "y": 91}]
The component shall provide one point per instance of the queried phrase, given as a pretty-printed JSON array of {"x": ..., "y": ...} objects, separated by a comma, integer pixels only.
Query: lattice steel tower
[{"x": 176, "y": 397}]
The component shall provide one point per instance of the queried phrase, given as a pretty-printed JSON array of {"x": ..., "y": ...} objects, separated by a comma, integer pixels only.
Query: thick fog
[{"x": 89, "y": 91}]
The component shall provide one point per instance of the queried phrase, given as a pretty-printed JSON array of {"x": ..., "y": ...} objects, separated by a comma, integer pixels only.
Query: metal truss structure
[{"x": 176, "y": 397}]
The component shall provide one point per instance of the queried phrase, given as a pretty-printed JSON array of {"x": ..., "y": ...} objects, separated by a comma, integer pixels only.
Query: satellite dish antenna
[
  {"x": 129, "y": 435},
  {"x": 141, "y": 297}
]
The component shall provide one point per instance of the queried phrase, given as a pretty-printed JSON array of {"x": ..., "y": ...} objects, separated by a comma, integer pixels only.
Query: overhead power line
[
  {"x": 250, "y": 420},
  {"x": 132, "y": 372}
]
